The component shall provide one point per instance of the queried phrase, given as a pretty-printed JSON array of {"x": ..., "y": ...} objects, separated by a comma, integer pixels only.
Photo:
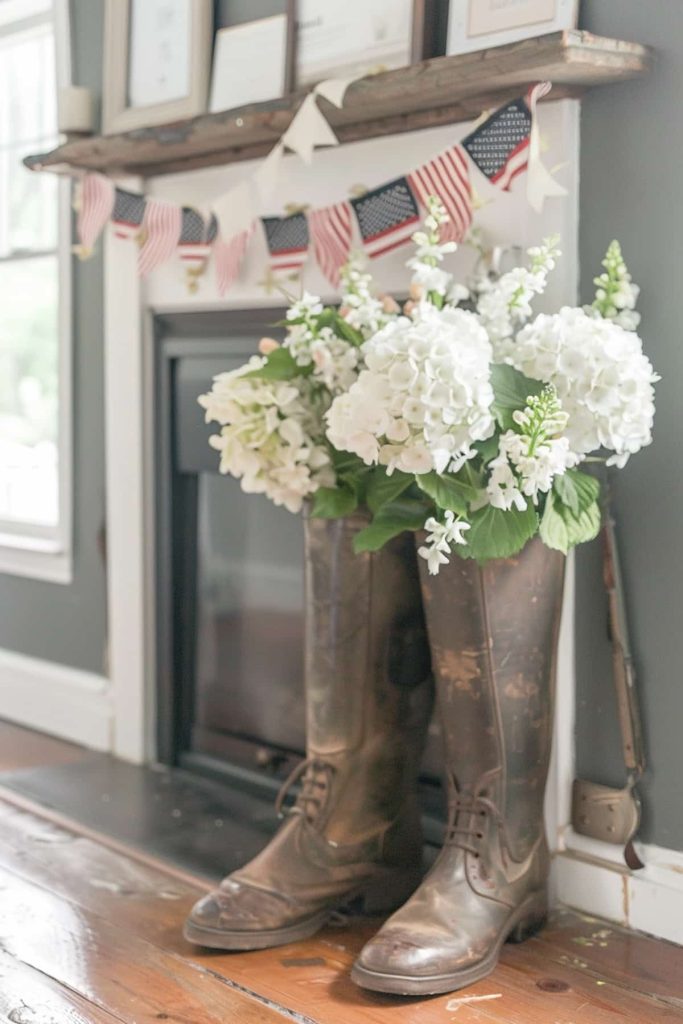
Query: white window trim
[{"x": 27, "y": 555}]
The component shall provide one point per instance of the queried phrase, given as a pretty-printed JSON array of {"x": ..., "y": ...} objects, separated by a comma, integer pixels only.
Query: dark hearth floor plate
[{"x": 200, "y": 826}]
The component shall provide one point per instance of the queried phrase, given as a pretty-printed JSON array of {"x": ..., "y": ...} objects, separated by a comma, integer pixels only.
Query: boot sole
[
  {"x": 372, "y": 899},
  {"x": 526, "y": 921}
]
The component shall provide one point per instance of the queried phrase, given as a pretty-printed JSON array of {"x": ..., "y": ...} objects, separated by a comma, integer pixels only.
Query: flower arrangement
[{"x": 461, "y": 415}]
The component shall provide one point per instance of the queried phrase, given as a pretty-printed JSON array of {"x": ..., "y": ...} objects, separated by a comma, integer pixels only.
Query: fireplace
[{"x": 229, "y": 582}]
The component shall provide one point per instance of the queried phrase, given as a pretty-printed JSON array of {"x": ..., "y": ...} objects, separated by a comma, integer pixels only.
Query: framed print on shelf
[
  {"x": 251, "y": 62},
  {"x": 350, "y": 38},
  {"x": 157, "y": 55},
  {"x": 482, "y": 24}
]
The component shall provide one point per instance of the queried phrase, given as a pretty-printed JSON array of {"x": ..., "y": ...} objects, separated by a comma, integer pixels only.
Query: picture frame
[
  {"x": 253, "y": 61},
  {"x": 484, "y": 24},
  {"x": 157, "y": 60},
  {"x": 331, "y": 34}
]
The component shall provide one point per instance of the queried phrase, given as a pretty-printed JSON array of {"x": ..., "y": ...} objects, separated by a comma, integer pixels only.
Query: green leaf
[
  {"x": 447, "y": 491},
  {"x": 487, "y": 449},
  {"x": 495, "y": 533},
  {"x": 562, "y": 529},
  {"x": 392, "y": 519},
  {"x": 334, "y": 502},
  {"x": 382, "y": 488},
  {"x": 577, "y": 490},
  {"x": 344, "y": 330},
  {"x": 280, "y": 365},
  {"x": 511, "y": 389}
]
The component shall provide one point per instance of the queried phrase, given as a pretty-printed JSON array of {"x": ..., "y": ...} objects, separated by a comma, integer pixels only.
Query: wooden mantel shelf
[{"x": 440, "y": 91}]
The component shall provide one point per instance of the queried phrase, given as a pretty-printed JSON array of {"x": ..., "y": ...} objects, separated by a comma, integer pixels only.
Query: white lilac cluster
[
  {"x": 429, "y": 278},
  {"x": 530, "y": 457},
  {"x": 424, "y": 396},
  {"x": 616, "y": 294},
  {"x": 360, "y": 307},
  {"x": 334, "y": 360},
  {"x": 601, "y": 376},
  {"x": 440, "y": 537},
  {"x": 504, "y": 305},
  {"x": 270, "y": 436}
]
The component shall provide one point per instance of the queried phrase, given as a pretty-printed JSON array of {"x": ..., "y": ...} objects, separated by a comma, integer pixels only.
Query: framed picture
[
  {"x": 349, "y": 38},
  {"x": 251, "y": 62},
  {"x": 481, "y": 24},
  {"x": 156, "y": 61}
]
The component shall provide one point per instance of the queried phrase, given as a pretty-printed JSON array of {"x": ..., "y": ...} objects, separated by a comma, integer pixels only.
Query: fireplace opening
[{"x": 229, "y": 584}]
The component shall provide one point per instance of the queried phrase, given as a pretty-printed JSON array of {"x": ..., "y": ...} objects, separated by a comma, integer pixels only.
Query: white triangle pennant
[
  {"x": 310, "y": 128},
  {"x": 334, "y": 89},
  {"x": 234, "y": 210}
]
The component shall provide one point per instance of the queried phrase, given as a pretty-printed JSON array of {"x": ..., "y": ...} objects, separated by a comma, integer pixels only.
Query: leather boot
[
  {"x": 354, "y": 829},
  {"x": 493, "y": 632}
]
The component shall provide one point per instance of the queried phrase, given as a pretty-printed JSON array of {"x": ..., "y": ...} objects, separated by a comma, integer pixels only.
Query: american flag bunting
[
  {"x": 129, "y": 209},
  {"x": 160, "y": 231},
  {"x": 95, "y": 208},
  {"x": 500, "y": 146},
  {"x": 228, "y": 258},
  {"x": 387, "y": 216},
  {"x": 196, "y": 237},
  {"x": 287, "y": 241},
  {"x": 447, "y": 176},
  {"x": 330, "y": 231}
]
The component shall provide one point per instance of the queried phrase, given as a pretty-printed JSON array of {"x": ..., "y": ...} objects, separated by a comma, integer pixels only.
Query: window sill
[{"x": 35, "y": 558}]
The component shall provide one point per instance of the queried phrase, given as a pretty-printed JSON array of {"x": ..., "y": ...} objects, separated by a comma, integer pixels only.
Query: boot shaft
[{"x": 493, "y": 631}]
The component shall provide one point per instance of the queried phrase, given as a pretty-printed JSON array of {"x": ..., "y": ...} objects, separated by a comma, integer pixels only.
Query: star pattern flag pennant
[
  {"x": 160, "y": 231},
  {"x": 330, "y": 230},
  {"x": 129, "y": 209},
  {"x": 387, "y": 216},
  {"x": 287, "y": 241},
  {"x": 228, "y": 256},
  {"x": 95, "y": 207},
  {"x": 196, "y": 237},
  {"x": 447, "y": 176},
  {"x": 500, "y": 146}
]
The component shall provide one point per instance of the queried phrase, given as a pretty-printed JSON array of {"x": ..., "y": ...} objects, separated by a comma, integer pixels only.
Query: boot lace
[
  {"x": 465, "y": 807},
  {"x": 315, "y": 776}
]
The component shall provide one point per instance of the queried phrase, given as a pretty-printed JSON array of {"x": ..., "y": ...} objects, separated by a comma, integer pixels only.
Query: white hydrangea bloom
[
  {"x": 424, "y": 396},
  {"x": 602, "y": 378},
  {"x": 268, "y": 436},
  {"x": 440, "y": 538}
]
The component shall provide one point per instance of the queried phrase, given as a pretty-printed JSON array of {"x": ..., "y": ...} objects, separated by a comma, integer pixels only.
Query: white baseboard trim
[
  {"x": 591, "y": 876},
  {"x": 65, "y": 702}
]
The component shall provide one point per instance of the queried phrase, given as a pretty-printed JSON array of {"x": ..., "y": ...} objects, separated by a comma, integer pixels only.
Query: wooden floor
[{"x": 91, "y": 935}]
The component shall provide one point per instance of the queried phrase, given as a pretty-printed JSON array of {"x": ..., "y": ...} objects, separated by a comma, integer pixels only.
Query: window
[{"x": 34, "y": 297}]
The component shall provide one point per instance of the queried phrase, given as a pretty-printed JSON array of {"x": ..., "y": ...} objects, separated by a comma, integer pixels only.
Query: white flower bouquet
[{"x": 461, "y": 415}]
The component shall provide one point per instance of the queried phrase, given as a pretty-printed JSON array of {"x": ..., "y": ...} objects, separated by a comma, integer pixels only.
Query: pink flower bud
[{"x": 267, "y": 345}]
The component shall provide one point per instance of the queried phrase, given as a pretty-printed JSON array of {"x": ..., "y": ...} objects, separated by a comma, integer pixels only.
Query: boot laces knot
[{"x": 315, "y": 776}]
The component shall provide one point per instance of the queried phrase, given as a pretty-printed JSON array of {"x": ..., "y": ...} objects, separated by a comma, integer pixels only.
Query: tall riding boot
[
  {"x": 493, "y": 633},
  {"x": 354, "y": 829}
]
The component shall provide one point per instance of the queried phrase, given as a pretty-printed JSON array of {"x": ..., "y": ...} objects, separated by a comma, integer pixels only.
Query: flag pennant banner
[
  {"x": 160, "y": 232},
  {"x": 287, "y": 241},
  {"x": 96, "y": 205},
  {"x": 228, "y": 256},
  {"x": 387, "y": 216},
  {"x": 330, "y": 230},
  {"x": 448, "y": 177},
  {"x": 500, "y": 146},
  {"x": 129, "y": 209}
]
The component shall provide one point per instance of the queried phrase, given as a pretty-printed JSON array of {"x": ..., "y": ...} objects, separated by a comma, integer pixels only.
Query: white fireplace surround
[{"x": 587, "y": 874}]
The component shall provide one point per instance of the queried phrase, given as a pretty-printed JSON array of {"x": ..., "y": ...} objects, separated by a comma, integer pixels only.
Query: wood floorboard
[
  {"x": 108, "y": 928},
  {"x": 29, "y": 997}
]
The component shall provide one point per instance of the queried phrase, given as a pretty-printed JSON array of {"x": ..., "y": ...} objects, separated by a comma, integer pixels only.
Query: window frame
[{"x": 25, "y": 549}]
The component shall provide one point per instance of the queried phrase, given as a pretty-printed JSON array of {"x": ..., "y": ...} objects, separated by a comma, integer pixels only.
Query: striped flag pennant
[
  {"x": 229, "y": 256},
  {"x": 500, "y": 146},
  {"x": 96, "y": 205},
  {"x": 387, "y": 216},
  {"x": 287, "y": 241},
  {"x": 448, "y": 177},
  {"x": 129, "y": 210},
  {"x": 161, "y": 230},
  {"x": 330, "y": 230}
]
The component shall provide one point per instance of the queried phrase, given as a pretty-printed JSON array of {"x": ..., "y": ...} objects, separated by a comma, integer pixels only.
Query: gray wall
[
  {"x": 47, "y": 620},
  {"x": 631, "y": 149}
]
